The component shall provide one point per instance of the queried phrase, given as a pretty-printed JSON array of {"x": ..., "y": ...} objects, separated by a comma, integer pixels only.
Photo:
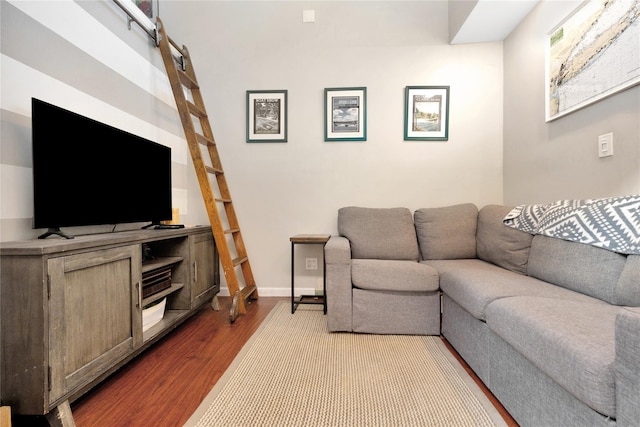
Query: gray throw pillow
[
  {"x": 447, "y": 232},
  {"x": 499, "y": 244},
  {"x": 379, "y": 233}
]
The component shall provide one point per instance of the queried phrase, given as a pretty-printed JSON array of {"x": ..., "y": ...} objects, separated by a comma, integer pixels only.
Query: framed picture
[
  {"x": 426, "y": 113},
  {"x": 266, "y": 116},
  {"x": 589, "y": 56},
  {"x": 149, "y": 7},
  {"x": 345, "y": 114}
]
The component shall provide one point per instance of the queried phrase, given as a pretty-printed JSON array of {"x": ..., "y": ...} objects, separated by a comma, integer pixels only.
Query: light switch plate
[{"x": 605, "y": 145}]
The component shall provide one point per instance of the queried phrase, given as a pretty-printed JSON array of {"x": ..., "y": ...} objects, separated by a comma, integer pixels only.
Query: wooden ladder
[{"x": 228, "y": 238}]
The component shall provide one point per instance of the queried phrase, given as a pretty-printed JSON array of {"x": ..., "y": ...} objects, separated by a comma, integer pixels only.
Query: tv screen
[{"x": 89, "y": 173}]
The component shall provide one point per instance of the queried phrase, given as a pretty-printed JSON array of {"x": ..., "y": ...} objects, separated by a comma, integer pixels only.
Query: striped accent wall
[{"x": 82, "y": 57}]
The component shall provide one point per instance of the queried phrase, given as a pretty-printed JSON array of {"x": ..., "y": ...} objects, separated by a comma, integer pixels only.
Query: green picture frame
[
  {"x": 267, "y": 115},
  {"x": 426, "y": 113},
  {"x": 345, "y": 114}
]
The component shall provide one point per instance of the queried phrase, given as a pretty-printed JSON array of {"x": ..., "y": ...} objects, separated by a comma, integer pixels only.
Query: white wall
[
  {"x": 559, "y": 160},
  {"x": 282, "y": 189},
  {"x": 81, "y": 57}
]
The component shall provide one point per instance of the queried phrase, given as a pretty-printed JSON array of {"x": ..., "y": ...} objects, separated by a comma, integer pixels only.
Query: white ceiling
[{"x": 493, "y": 20}]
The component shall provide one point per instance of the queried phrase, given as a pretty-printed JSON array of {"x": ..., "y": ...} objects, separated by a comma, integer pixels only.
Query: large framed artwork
[
  {"x": 345, "y": 112},
  {"x": 266, "y": 116},
  {"x": 426, "y": 113},
  {"x": 591, "y": 55}
]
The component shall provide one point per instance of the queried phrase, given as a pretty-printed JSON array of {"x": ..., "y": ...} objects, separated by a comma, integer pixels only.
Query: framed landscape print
[
  {"x": 426, "y": 113},
  {"x": 266, "y": 116},
  {"x": 591, "y": 55},
  {"x": 345, "y": 114}
]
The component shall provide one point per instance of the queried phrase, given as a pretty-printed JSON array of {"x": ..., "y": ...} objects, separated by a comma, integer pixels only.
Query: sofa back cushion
[
  {"x": 628, "y": 287},
  {"x": 501, "y": 245},
  {"x": 447, "y": 232},
  {"x": 576, "y": 266},
  {"x": 379, "y": 233}
]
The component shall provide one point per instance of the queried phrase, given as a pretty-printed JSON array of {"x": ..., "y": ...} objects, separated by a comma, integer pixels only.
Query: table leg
[
  {"x": 324, "y": 282},
  {"x": 293, "y": 307}
]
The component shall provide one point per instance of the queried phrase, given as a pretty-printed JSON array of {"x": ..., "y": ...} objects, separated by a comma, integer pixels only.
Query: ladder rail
[{"x": 185, "y": 77}]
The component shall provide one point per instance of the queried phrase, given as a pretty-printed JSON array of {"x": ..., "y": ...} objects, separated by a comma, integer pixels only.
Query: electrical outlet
[{"x": 312, "y": 263}]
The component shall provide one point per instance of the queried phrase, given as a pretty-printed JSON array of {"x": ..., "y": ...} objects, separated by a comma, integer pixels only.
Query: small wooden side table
[{"x": 309, "y": 239}]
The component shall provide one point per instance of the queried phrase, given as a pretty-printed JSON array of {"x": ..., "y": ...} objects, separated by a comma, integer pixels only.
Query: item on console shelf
[
  {"x": 155, "y": 281},
  {"x": 153, "y": 313}
]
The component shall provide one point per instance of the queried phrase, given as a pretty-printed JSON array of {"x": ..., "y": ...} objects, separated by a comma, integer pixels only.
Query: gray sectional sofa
[{"x": 552, "y": 327}]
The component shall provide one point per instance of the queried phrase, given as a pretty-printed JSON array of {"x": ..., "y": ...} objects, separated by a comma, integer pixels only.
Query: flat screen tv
[{"x": 89, "y": 173}]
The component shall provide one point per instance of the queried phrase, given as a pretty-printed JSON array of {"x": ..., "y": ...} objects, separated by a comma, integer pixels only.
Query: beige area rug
[{"x": 293, "y": 372}]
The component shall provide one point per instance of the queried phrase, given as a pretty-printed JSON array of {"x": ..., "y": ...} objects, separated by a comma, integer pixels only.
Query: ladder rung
[
  {"x": 187, "y": 81},
  {"x": 203, "y": 140},
  {"x": 223, "y": 200},
  {"x": 195, "y": 110},
  {"x": 214, "y": 171},
  {"x": 231, "y": 231},
  {"x": 247, "y": 291},
  {"x": 239, "y": 260}
]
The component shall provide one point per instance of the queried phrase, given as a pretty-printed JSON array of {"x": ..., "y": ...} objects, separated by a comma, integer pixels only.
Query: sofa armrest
[
  {"x": 337, "y": 256},
  {"x": 628, "y": 367}
]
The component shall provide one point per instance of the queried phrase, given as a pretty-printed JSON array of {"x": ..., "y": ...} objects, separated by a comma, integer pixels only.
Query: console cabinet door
[
  {"x": 204, "y": 268},
  {"x": 94, "y": 315}
]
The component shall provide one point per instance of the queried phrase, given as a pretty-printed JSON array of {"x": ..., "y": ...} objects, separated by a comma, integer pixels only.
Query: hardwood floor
[{"x": 165, "y": 385}]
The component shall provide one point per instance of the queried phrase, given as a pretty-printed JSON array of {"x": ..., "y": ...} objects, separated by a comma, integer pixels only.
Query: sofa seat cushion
[
  {"x": 474, "y": 284},
  {"x": 571, "y": 342},
  {"x": 391, "y": 275}
]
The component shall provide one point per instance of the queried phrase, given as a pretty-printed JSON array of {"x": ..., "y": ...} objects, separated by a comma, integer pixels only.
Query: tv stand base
[{"x": 55, "y": 231}]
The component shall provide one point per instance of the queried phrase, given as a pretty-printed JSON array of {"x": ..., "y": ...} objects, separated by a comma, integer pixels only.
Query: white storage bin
[{"x": 153, "y": 314}]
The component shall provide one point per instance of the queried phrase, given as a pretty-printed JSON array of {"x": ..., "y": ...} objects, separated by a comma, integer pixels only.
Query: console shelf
[
  {"x": 72, "y": 309},
  {"x": 156, "y": 263},
  {"x": 155, "y": 297}
]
